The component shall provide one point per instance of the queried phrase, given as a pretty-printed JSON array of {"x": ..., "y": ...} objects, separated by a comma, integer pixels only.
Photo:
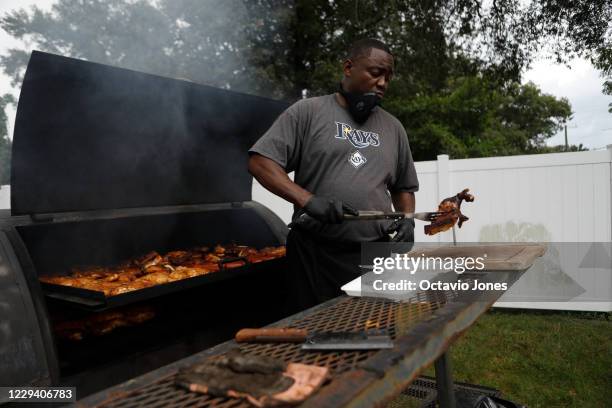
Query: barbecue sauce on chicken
[{"x": 451, "y": 209}]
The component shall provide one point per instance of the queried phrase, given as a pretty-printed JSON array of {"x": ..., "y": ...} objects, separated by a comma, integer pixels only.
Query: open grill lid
[{"x": 90, "y": 136}]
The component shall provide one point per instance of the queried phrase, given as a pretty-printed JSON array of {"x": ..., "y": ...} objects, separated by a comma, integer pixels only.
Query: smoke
[
  {"x": 232, "y": 44},
  {"x": 229, "y": 44}
]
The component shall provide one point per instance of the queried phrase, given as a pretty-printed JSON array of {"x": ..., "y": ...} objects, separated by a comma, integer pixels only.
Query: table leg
[{"x": 444, "y": 381}]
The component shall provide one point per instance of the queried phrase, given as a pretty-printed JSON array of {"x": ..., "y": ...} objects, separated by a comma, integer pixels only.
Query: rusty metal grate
[{"x": 346, "y": 315}]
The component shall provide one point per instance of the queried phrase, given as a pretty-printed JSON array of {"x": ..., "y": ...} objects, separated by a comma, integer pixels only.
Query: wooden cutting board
[{"x": 499, "y": 257}]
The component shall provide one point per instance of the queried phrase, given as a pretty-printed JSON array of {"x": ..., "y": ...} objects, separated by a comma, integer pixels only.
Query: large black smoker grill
[{"x": 109, "y": 164}]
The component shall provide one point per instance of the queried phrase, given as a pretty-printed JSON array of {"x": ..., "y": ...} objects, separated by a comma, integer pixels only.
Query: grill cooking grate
[
  {"x": 349, "y": 314},
  {"x": 423, "y": 393}
]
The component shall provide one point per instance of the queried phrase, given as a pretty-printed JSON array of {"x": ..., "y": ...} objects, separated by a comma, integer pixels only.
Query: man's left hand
[{"x": 404, "y": 230}]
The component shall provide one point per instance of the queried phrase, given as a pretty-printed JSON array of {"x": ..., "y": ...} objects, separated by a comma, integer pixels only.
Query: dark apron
[{"x": 319, "y": 267}]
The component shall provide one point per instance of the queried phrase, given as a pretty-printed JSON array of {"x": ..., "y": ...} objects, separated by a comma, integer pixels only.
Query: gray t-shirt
[{"x": 333, "y": 156}]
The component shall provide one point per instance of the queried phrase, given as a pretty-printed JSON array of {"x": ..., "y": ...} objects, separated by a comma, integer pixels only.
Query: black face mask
[{"x": 360, "y": 105}]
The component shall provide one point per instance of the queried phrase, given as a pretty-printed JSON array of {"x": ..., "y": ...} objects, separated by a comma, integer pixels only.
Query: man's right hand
[{"x": 328, "y": 210}]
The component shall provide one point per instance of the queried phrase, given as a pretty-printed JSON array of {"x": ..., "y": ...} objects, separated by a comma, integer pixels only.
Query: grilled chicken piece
[
  {"x": 177, "y": 257},
  {"x": 154, "y": 269},
  {"x": 84, "y": 283},
  {"x": 100, "y": 286},
  {"x": 56, "y": 280},
  {"x": 87, "y": 282},
  {"x": 105, "y": 322},
  {"x": 184, "y": 272},
  {"x": 70, "y": 330},
  {"x": 212, "y": 258},
  {"x": 207, "y": 266},
  {"x": 107, "y": 327},
  {"x": 451, "y": 209},
  {"x": 247, "y": 251},
  {"x": 267, "y": 254},
  {"x": 127, "y": 274},
  {"x": 259, "y": 258},
  {"x": 94, "y": 272},
  {"x": 274, "y": 251},
  {"x": 113, "y": 277},
  {"x": 150, "y": 259},
  {"x": 130, "y": 287},
  {"x": 191, "y": 263},
  {"x": 138, "y": 315},
  {"x": 155, "y": 278}
]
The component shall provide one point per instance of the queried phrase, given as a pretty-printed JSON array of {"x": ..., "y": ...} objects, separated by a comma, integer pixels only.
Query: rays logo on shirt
[
  {"x": 357, "y": 159},
  {"x": 358, "y": 138}
]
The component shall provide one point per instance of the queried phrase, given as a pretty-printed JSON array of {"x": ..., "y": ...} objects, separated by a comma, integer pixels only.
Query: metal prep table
[{"x": 423, "y": 328}]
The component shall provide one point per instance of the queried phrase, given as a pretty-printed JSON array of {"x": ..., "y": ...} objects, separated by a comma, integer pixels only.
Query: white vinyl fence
[
  {"x": 563, "y": 199},
  {"x": 5, "y": 197}
]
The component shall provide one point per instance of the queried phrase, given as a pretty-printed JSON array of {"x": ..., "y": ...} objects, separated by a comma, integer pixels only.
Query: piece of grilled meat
[{"x": 451, "y": 209}]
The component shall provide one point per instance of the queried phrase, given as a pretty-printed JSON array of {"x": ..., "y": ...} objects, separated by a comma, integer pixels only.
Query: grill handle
[{"x": 271, "y": 335}]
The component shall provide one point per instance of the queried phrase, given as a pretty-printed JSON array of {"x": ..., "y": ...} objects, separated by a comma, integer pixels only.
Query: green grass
[{"x": 541, "y": 359}]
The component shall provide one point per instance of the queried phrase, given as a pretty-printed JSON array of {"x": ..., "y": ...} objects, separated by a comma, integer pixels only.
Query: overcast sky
[{"x": 580, "y": 83}]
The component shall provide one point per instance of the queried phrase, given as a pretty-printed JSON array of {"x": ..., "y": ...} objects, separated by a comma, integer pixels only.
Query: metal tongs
[
  {"x": 381, "y": 215},
  {"x": 376, "y": 215}
]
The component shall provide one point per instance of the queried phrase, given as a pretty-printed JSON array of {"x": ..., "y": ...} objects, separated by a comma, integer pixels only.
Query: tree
[
  {"x": 499, "y": 38},
  {"x": 445, "y": 51},
  {"x": 580, "y": 33},
  {"x": 474, "y": 118},
  {"x": 5, "y": 142},
  {"x": 604, "y": 63}
]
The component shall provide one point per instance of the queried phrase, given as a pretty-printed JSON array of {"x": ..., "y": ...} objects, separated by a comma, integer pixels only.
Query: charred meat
[
  {"x": 451, "y": 209},
  {"x": 263, "y": 381}
]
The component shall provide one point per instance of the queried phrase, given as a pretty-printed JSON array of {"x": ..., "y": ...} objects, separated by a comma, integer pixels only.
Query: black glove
[
  {"x": 404, "y": 229},
  {"x": 328, "y": 210}
]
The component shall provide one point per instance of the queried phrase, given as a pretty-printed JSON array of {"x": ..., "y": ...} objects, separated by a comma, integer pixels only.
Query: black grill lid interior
[{"x": 90, "y": 136}]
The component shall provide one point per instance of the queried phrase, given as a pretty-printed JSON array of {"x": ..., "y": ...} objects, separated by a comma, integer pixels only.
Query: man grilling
[{"x": 348, "y": 154}]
